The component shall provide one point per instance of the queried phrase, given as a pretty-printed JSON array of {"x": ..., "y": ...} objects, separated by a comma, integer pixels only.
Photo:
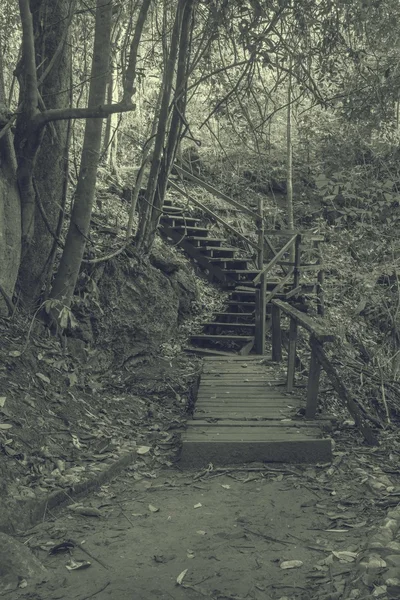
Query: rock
[
  {"x": 393, "y": 560},
  {"x": 18, "y": 563}
]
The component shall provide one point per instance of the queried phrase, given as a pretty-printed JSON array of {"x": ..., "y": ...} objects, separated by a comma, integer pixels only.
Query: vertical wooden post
[
  {"x": 320, "y": 283},
  {"x": 297, "y": 260},
  {"x": 276, "y": 333},
  {"x": 313, "y": 382},
  {"x": 291, "y": 354},
  {"x": 261, "y": 291}
]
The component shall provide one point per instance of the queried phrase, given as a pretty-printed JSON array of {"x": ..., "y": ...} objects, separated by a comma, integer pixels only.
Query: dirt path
[{"x": 229, "y": 531}]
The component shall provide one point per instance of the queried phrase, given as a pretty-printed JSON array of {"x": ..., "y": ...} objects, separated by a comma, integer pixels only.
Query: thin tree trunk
[
  {"x": 178, "y": 114},
  {"x": 67, "y": 274},
  {"x": 289, "y": 160},
  {"x": 144, "y": 232}
]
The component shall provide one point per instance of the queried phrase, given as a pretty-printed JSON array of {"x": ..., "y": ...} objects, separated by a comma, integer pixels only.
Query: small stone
[
  {"x": 393, "y": 560},
  {"x": 373, "y": 563},
  {"x": 379, "y": 591},
  {"x": 391, "y": 524},
  {"x": 394, "y": 547},
  {"x": 383, "y": 535},
  {"x": 394, "y": 513},
  {"x": 354, "y": 594},
  {"x": 393, "y": 588}
]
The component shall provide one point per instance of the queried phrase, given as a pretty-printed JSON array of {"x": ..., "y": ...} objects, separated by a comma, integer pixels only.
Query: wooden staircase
[{"x": 232, "y": 330}]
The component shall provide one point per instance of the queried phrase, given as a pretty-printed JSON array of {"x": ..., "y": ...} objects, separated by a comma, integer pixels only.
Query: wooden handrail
[
  {"x": 213, "y": 214},
  {"x": 215, "y": 192},
  {"x": 317, "y": 329},
  {"x": 275, "y": 259}
]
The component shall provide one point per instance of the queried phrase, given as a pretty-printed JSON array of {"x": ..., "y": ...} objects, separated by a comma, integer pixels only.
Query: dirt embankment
[{"x": 70, "y": 408}]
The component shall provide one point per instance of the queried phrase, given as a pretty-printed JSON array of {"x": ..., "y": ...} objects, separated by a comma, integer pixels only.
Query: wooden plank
[
  {"x": 213, "y": 191},
  {"x": 276, "y": 334},
  {"x": 278, "y": 288},
  {"x": 343, "y": 393},
  {"x": 313, "y": 385},
  {"x": 273, "y": 422},
  {"x": 314, "y": 326},
  {"x": 246, "y": 433},
  {"x": 201, "y": 351},
  {"x": 291, "y": 355},
  {"x": 197, "y": 454}
]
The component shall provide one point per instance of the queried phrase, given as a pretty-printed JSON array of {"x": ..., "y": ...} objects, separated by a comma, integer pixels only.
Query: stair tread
[
  {"x": 224, "y": 248},
  {"x": 242, "y": 271},
  {"x": 225, "y": 324},
  {"x": 229, "y": 259},
  {"x": 236, "y": 314},
  {"x": 200, "y": 238},
  {"x": 209, "y": 336}
]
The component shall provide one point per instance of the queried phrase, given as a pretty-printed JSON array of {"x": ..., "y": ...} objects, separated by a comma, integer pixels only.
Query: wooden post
[
  {"x": 291, "y": 354},
  {"x": 297, "y": 259},
  {"x": 313, "y": 383},
  {"x": 320, "y": 283},
  {"x": 261, "y": 291},
  {"x": 276, "y": 333}
]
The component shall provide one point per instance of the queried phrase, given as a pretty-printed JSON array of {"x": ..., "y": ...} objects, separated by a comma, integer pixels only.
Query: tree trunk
[
  {"x": 178, "y": 115},
  {"x": 111, "y": 129},
  {"x": 53, "y": 60},
  {"x": 67, "y": 274},
  {"x": 10, "y": 209},
  {"x": 289, "y": 162},
  {"x": 145, "y": 234}
]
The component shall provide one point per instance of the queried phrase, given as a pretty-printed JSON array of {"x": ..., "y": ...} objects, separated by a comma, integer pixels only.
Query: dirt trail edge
[{"x": 260, "y": 532}]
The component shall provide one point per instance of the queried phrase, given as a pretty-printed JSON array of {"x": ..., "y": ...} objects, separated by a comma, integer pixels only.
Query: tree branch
[{"x": 97, "y": 112}]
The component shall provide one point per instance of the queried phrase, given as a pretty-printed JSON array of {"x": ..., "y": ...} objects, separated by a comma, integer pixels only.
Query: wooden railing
[
  {"x": 319, "y": 360},
  {"x": 291, "y": 270}
]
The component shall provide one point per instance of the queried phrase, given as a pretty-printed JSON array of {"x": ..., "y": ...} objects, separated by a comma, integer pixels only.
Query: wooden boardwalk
[{"x": 243, "y": 414}]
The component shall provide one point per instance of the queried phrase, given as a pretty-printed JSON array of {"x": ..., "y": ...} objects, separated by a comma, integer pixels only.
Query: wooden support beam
[
  {"x": 291, "y": 355},
  {"x": 313, "y": 383},
  {"x": 343, "y": 393},
  {"x": 276, "y": 334},
  {"x": 261, "y": 292},
  {"x": 317, "y": 328}
]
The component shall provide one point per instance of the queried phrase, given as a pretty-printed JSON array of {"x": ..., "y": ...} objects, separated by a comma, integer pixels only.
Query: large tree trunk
[
  {"x": 67, "y": 274},
  {"x": 42, "y": 195},
  {"x": 10, "y": 209}
]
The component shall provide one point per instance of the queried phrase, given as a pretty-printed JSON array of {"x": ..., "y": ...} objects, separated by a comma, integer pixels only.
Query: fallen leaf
[
  {"x": 153, "y": 509},
  {"x": 198, "y": 505},
  {"x": 14, "y": 353},
  {"x": 74, "y": 565},
  {"x": 201, "y": 532},
  {"x": 345, "y": 556},
  {"x": 85, "y": 511},
  {"x": 2, "y": 401},
  {"x": 23, "y": 583},
  {"x": 143, "y": 449},
  {"x": 43, "y": 377},
  {"x": 5, "y": 426},
  {"x": 226, "y": 486},
  {"x": 181, "y": 576},
  {"x": 291, "y": 564}
]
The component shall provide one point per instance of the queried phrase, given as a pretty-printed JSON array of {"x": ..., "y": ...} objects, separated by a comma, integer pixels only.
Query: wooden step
[
  {"x": 221, "y": 251},
  {"x": 229, "y": 263},
  {"x": 201, "y": 232},
  {"x": 225, "y": 325},
  {"x": 207, "y": 351},
  {"x": 220, "y": 338},
  {"x": 244, "y": 274},
  {"x": 234, "y": 315},
  {"x": 227, "y": 445},
  {"x": 199, "y": 241},
  {"x": 177, "y": 222}
]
